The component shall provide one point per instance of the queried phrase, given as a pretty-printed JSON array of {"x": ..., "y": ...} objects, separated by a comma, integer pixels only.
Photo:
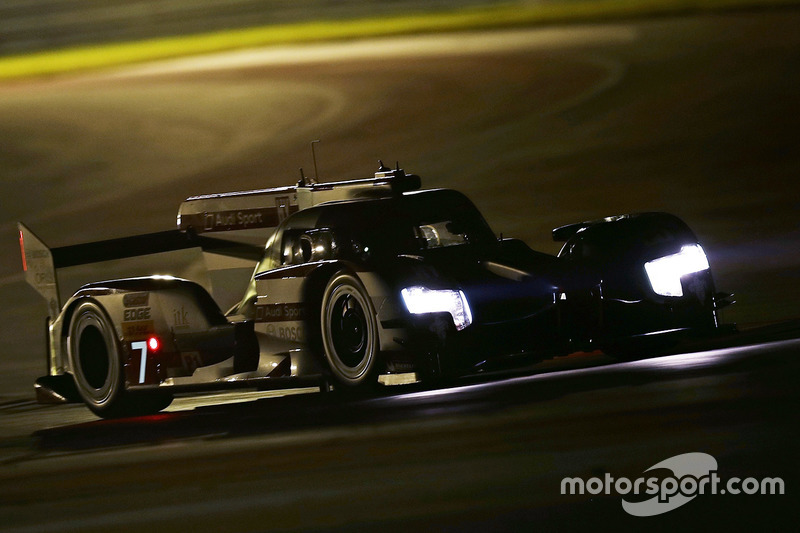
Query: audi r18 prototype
[{"x": 358, "y": 280}]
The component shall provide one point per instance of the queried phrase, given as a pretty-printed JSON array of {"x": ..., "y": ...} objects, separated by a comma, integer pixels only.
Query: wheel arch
[
  {"x": 110, "y": 296},
  {"x": 110, "y": 303},
  {"x": 317, "y": 280}
]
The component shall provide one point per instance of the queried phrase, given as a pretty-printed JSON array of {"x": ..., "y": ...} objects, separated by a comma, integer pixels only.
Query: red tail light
[{"x": 22, "y": 249}]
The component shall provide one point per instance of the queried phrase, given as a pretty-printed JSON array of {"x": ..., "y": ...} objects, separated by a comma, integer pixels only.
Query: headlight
[
  {"x": 420, "y": 300},
  {"x": 665, "y": 272}
]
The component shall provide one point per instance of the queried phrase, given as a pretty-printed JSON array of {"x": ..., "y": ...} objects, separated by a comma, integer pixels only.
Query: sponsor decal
[
  {"x": 291, "y": 333},
  {"x": 33, "y": 256},
  {"x": 136, "y": 299},
  {"x": 132, "y": 330},
  {"x": 262, "y": 217},
  {"x": 230, "y": 220},
  {"x": 286, "y": 333},
  {"x": 180, "y": 318},
  {"x": 691, "y": 474},
  {"x": 139, "y": 313},
  {"x": 191, "y": 361},
  {"x": 39, "y": 263},
  {"x": 279, "y": 312}
]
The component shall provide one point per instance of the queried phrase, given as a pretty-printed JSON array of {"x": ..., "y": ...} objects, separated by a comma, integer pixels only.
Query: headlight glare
[
  {"x": 665, "y": 273},
  {"x": 421, "y": 300}
]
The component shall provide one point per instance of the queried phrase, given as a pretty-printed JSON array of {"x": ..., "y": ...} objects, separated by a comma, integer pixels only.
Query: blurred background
[{"x": 27, "y": 25}]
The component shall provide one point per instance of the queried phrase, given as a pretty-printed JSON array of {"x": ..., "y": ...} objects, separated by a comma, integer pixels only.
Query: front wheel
[{"x": 349, "y": 333}]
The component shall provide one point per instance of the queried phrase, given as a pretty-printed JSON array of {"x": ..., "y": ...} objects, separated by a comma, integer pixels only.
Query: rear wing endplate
[{"x": 39, "y": 268}]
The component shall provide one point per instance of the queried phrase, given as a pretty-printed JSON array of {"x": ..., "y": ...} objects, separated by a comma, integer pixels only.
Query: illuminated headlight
[
  {"x": 665, "y": 272},
  {"x": 420, "y": 300}
]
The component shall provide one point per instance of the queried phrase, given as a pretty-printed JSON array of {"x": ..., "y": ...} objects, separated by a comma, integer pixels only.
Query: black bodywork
[{"x": 594, "y": 295}]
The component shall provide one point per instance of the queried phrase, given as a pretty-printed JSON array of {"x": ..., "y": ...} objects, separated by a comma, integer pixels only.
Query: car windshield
[
  {"x": 440, "y": 234},
  {"x": 415, "y": 223}
]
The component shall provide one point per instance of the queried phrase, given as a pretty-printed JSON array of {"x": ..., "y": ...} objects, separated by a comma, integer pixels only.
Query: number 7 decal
[{"x": 142, "y": 346}]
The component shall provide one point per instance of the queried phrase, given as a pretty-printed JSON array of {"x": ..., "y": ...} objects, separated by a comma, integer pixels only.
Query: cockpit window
[
  {"x": 440, "y": 235},
  {"x": 304, "y": 246},
  {"x": 410, "y": 224}
]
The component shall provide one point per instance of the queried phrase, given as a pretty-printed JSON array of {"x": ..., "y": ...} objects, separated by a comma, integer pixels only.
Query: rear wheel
[
  {"x": 97, "y": 366},
  {"x": 349, "y": 332}
]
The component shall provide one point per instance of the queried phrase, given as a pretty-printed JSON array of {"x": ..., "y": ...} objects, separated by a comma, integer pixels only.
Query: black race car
[{"x": 360, "y": 282}]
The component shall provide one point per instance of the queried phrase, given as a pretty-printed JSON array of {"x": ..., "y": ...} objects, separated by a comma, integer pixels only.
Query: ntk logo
[{"x": 180, "y": 318}]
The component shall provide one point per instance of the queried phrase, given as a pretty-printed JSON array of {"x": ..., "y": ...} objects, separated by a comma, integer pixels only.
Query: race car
[{"x": 359, "y": 282}]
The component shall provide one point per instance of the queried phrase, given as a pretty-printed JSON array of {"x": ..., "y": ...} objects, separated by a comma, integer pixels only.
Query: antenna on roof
[
  {"x": 314, "y": 157},
  {"x": 302, "y": 181}
]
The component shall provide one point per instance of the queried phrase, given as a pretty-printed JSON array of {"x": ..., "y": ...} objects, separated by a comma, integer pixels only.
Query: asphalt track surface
[
  {"x": 697, "y": 116},
  {"x": 487, "y": 454}
]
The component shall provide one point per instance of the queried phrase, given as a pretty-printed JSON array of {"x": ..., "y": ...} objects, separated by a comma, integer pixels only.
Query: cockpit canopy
[{"x": 365, "y": 230}]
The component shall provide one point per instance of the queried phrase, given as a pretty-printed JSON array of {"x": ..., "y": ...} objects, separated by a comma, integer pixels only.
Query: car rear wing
[
  {"x": 40, "y": 263},
  {"x": 267, "y": 208}
]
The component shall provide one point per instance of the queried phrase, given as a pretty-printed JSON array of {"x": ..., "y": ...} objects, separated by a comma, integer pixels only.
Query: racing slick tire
[
  {"x": 97, "y": 367},
  {"x": 349, "y": 334}
]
